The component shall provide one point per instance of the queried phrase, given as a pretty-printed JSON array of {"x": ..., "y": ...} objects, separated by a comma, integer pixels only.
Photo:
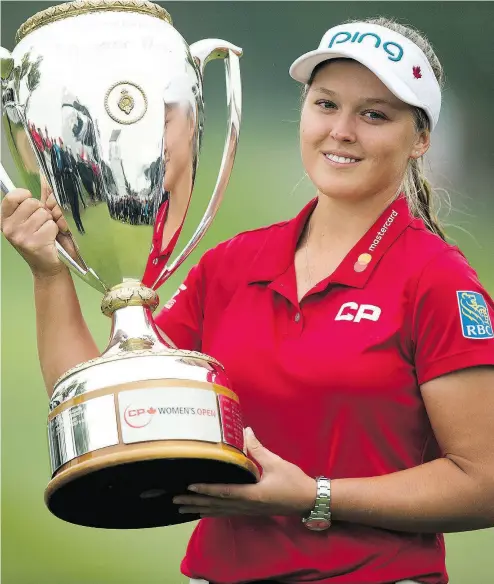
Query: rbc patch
[{"x": 474, "y": 315}]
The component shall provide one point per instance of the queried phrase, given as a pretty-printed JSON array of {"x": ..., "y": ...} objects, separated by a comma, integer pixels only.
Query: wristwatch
[{"x": 320, "y": 516}]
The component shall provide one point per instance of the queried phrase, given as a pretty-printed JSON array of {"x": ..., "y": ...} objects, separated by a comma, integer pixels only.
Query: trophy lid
[{"x": 78, "y": 7}]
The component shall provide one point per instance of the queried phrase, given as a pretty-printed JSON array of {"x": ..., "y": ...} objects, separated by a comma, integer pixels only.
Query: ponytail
[{"x": 421, "y": 197}]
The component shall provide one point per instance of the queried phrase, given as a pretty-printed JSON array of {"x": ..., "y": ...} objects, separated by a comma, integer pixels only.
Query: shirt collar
[{"x": 278, "y": 252}]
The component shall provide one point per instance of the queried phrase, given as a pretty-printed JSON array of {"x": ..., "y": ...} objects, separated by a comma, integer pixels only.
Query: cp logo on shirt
[
  {"x": 474, "y": 315},
  {"x": 355, "y": 312}
]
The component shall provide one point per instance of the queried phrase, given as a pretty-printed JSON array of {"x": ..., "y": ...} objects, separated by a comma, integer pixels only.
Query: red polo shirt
[{"x": 331, "y": 384}]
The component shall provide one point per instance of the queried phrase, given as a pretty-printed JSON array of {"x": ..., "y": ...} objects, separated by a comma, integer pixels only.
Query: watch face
[{"x": 317, "y": 524}]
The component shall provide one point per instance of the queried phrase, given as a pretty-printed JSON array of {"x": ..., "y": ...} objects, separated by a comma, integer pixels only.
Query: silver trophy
[{"x": 103, "y": 99}]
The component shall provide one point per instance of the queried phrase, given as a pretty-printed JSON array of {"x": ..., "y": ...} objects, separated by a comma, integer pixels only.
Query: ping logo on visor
[
  {"x": 394, "y": 50},
  {"x": 474, "y": 315}
]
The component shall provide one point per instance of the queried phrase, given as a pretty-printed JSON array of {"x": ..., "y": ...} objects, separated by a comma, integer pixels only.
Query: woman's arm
[
  {"x": 454, "y": 493},
  {"x": 64, "y": 339}
]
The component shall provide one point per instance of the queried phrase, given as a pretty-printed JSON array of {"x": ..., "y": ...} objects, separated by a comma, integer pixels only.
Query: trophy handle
[
  {"x": 7, "y": 63},
  {"x": 6, "y": 184},
  {"x": 203, "y": 52}
]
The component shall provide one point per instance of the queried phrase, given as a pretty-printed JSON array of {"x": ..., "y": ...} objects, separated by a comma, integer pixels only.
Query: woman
[{"x": 359, "y": 342}]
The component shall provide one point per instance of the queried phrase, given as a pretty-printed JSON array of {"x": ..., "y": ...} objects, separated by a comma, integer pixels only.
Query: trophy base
[
  {"x": 133, "y": 488},
  {"x": 128, "y": 431}
]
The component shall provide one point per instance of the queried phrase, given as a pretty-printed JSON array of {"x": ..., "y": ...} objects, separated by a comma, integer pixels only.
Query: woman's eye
[
  {"x": 325, "y": 104},
  {"x": 373, "y": 115}
]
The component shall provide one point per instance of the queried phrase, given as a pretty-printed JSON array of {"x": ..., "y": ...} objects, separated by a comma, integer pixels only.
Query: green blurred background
[{"x": 267, "y": 185}]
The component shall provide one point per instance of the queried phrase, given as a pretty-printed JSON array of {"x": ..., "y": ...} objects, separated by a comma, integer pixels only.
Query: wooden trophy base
[{"x": 132, "y": 486}]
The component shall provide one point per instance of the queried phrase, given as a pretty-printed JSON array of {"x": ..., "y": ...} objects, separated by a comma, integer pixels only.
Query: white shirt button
[{"x": 297, "y": 317}]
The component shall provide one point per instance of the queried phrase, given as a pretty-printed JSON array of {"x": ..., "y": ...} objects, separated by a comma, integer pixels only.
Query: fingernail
[{"x": 193, "y": 488}]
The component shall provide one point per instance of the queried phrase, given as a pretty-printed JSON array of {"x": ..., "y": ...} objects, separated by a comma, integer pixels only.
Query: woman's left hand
[{"x": 284, "y": 489}]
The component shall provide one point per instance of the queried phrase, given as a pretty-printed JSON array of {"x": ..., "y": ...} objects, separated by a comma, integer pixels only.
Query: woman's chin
[{"x": 341, "y": 189}]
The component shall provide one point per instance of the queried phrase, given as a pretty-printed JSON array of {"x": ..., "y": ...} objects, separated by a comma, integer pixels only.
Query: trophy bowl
[{"x": 103, "y": 100}]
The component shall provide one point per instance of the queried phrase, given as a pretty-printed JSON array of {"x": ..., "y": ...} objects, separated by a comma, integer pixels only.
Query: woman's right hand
[{"x": 32, "y": 226}]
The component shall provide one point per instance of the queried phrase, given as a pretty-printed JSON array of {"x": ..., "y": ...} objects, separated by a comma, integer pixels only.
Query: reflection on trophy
[{"x": 104, "y": 100}]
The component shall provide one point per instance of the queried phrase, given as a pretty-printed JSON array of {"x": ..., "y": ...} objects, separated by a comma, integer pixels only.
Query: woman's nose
[{"x": 343, "y": 129}]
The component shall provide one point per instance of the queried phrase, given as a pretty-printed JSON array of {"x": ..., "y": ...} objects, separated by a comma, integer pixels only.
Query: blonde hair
[{"x": 423, "y": 200}]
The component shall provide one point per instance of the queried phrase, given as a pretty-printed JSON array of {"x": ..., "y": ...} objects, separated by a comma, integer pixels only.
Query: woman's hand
[
  {"x": 29, "y": 226},
  {"x": 284, "y": 489},
  {"x": 32, "y": 227}
]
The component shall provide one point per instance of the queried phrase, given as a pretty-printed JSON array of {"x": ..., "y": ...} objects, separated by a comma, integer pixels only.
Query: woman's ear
[{"x": 421, "y": 144}]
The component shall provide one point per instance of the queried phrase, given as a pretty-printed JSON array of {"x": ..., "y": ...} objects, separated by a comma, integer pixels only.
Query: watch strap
[{"x": 321, "y": 512}]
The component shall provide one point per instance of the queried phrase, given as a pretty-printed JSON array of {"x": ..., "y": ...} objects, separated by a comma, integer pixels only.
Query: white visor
[{"x": 394, "y": 59}]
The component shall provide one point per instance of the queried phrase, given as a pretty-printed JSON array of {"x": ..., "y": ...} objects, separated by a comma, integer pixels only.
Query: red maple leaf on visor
[
  {"x": 151, "y": 410},
  {"x": 417, "y": 73}
]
